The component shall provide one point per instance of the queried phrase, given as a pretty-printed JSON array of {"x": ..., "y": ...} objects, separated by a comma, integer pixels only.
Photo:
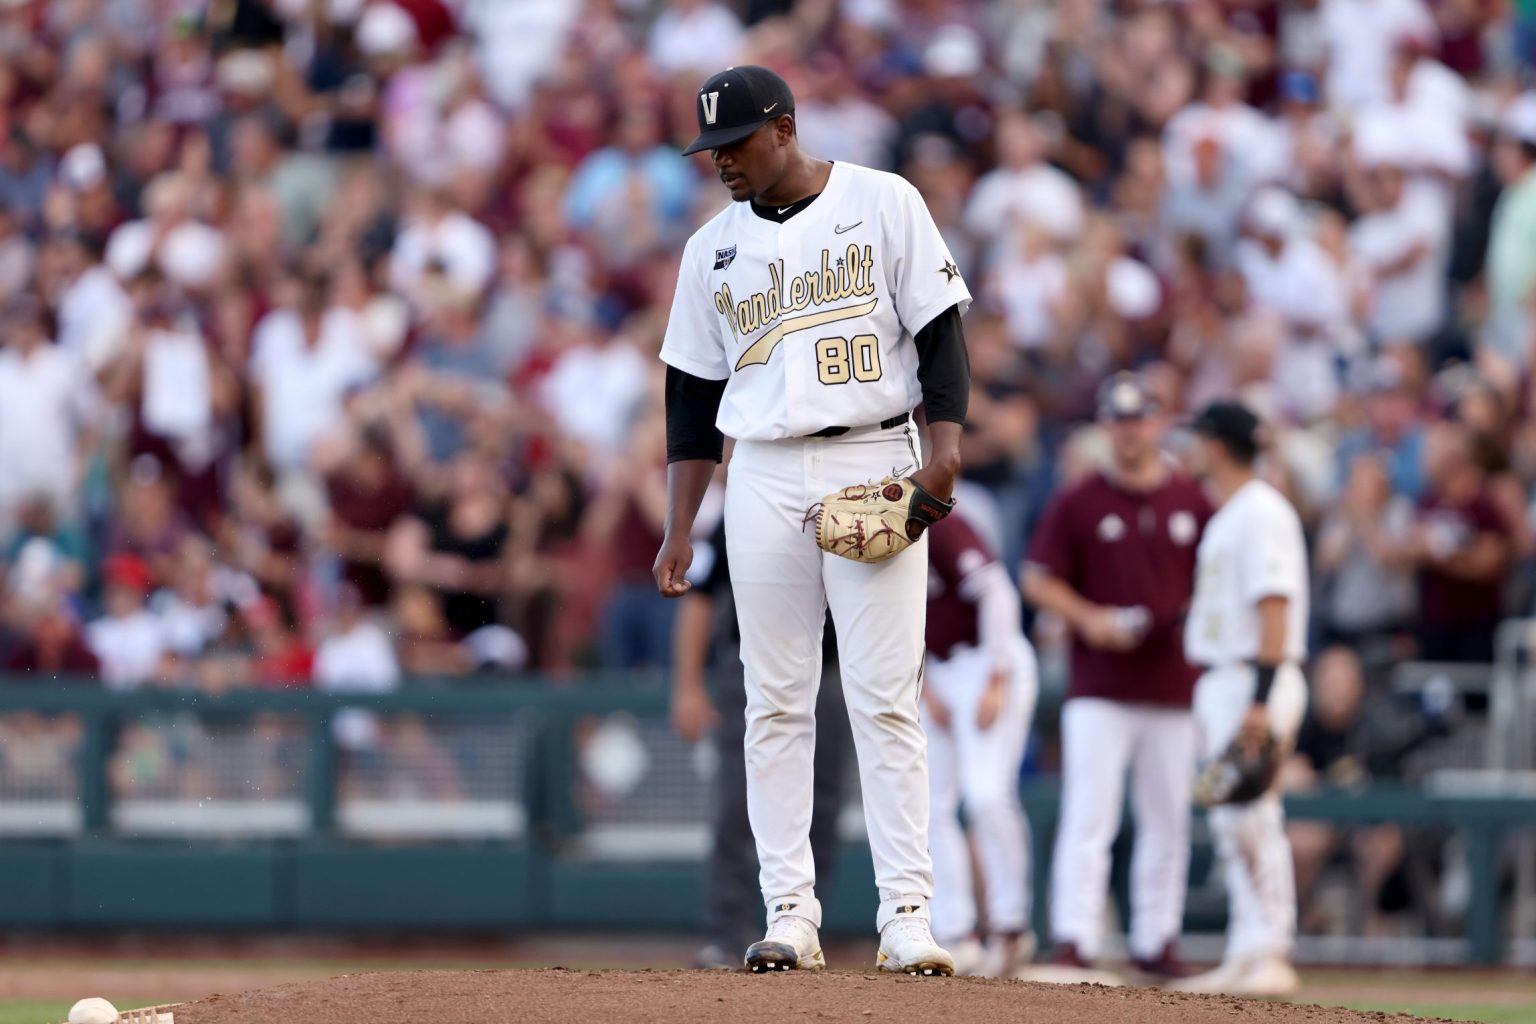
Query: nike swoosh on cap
[{"x": 770, "y": 107}]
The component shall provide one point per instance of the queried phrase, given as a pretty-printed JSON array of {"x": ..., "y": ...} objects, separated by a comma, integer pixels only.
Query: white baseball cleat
[
  {"x": 969, "y": 956},
  {"x": 1220, "y": 980},
  {"x": 907, "y": 946},
  {"x": 1264, "y": 976},
  {"x": 1268, "y": 976},
  {"x": 1009, "y": 954},
  {"x": 790, "y": 945}
]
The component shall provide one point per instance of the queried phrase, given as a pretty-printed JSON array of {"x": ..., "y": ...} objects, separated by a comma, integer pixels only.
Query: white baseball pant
[
  {"x": 980, "y": 769},
  {"x": 783, "y": 583},
  {"x": 1100, "y": 740},
  {"x": 1260, "y": 876}
]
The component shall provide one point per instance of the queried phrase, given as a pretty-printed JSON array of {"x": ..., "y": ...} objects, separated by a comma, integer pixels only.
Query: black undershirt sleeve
[
  {"x": 944, "y": 367},
  {"x": 692, "y": 405}
]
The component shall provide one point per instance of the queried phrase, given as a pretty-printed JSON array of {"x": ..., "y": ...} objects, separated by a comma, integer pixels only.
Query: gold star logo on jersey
[{"x": 950, "y": 271}]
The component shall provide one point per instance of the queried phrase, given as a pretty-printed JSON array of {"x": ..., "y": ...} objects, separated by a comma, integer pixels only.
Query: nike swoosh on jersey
[
  {"x": 839, "y": 229},
  {"x": 781, "y": 212},
  {"x": 760, "y": 350}
]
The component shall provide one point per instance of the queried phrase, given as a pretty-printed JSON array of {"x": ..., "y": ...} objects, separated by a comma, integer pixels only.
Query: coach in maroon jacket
[{"x": 1114, "y": 556}]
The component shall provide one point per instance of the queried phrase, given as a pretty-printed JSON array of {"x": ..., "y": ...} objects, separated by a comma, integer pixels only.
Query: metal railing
[{"x": 570, "y": 771}]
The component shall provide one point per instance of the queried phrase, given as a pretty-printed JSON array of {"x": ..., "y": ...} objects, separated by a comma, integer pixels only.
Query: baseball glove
[
  {"x": 873, "y": 522},
  {"x": 1243, "y": 773}
]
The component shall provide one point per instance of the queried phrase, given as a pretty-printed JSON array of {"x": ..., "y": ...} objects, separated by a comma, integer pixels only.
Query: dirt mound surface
[{"x": 558, "y": 996}]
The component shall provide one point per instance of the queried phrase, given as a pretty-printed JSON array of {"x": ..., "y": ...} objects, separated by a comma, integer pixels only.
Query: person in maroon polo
[
  {"x": 1461, "y": 546},
  {"x": 1114, "y": 556}
]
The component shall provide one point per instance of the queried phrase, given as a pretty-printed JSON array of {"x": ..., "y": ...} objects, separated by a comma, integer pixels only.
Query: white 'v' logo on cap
[{"x": 710, "y": 101}]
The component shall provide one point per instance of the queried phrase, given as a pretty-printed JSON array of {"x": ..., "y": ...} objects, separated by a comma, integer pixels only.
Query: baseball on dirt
[{"x": 94, "y": 1010}]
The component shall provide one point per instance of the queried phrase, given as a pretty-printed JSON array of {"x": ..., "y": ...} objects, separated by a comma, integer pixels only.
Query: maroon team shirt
[
  {"x": 1124, "y": 548},
  {"x": 955, "y": 551},
  {"x": 1445, "y": 600}
]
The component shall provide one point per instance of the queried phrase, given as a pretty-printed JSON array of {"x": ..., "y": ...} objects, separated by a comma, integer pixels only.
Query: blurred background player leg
[
  {"x": 994, "y": 735},
  {"x": 1162, "y": 775},
  {"x": 954, "y": 888},
  {"x": 1097, "y": 737},
  {"x": 1251, "y": 840},
  {"x": 979, "y": 699}
]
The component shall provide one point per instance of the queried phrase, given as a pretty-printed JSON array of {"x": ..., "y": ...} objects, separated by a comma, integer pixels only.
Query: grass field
[
  {"x": 1454, "y": 1011},
  {"x": 41, "y": 991}
]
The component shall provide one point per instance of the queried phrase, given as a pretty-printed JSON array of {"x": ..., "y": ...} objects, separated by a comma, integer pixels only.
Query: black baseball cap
[
  {"x": 736, "y": 102},
  {"x": 1231, "y": 423},
  {"x": 1125, "y": 397}
]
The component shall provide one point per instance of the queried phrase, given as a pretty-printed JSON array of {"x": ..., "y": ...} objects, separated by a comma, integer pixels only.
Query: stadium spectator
[
  {"x": 1335, "y": 749},
  {"x": 626, "y": 521},
  {"x": 357, "y": 657},
  {"x": 1401, "y": 244},
  {"x": 48, "y": 408},
  {"x": 367, "y": 494},
  {"x": 694, "y": 36},
  {"x": 305, "y": 356},
  {"x": 1460, "y": 545},
  {"x": 49, "y": 645},
  {"x": 1367, "y": 596},
  {"x": 457, "y": 546},
  {"x": 129, "y": 639},
  {"x": 191, "y": 610},
  {"x": 1287, "y": 274},
  {"x": 1511, "y": 265},
  {"x": 45, "y": 563}
]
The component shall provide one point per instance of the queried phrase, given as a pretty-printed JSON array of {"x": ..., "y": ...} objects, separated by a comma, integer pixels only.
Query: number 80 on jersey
[{"x": 839, "y": 359}]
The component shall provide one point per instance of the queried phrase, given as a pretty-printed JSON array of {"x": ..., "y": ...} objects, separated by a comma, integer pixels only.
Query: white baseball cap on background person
[
  {"x": 1272, "y": 212},
  {"x": 386, "y": 30},
  {"x": 83, "y": 167},
  {"x": 1518, "y": 121}
]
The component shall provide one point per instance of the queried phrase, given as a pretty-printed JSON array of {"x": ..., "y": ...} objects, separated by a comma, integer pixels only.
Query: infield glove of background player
[
  {"x": 873, "y": 522},
  {"x": 1243, "y": 773}
]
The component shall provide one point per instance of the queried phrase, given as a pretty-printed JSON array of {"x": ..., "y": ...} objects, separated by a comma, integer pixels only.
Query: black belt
[{"x": 894, "y": 421}]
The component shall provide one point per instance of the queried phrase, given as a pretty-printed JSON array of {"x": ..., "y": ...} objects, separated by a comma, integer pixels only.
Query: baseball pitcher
[{"x": 811, "y": 316}]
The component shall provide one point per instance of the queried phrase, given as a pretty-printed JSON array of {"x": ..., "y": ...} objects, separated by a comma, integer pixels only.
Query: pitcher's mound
[{"x": 558, "y": 996}]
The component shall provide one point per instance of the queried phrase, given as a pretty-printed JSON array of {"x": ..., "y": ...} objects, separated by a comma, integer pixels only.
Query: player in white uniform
[
  {"x": 811, "y": 316},
  {"x": 1247, "y": 627},
  {"x": 979, "y": 700}
]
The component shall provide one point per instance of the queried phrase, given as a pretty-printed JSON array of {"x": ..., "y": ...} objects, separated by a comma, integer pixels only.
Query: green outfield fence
[{"x": 484, "y": 805}]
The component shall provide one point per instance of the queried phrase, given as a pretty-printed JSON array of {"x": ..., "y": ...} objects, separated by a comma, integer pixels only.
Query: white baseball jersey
[
  {"x": 1252, "y": 549},
  {"x": 812, "y": 319}
]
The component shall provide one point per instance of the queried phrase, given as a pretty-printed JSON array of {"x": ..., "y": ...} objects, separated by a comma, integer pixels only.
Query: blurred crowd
[{"x": 329, "y": 326}]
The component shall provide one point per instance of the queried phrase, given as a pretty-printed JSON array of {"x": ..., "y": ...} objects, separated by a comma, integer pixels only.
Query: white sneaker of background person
[
  {"x": 1258, "y": 976},
  {"x": 1221, "y": 979},
  {"x": 907, "y": 945},
  {"x": 790, "y": 945},
  {"x": 1007, "y": 955},
  {"x": 969, "y": 955},
  {"x": 1268, "y": 976}
]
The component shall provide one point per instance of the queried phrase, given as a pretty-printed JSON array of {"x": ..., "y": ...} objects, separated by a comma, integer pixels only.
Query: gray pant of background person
[{"x": 734, "y": 905}]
